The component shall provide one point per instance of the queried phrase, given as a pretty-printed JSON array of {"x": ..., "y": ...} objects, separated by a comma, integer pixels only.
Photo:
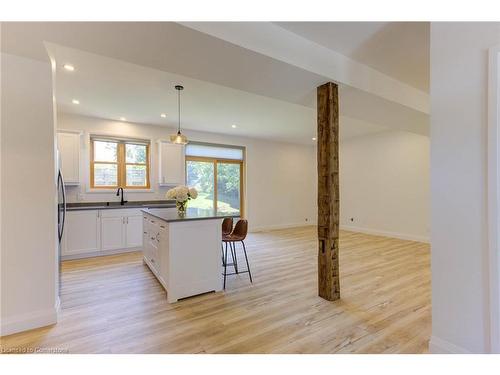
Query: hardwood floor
[{"x": 114, "y": 304}]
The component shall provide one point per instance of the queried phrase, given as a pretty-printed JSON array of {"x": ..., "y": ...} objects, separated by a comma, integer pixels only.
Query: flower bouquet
[{"x": 182, "y": 195}]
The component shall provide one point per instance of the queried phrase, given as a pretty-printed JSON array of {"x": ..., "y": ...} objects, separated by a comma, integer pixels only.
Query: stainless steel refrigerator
[{"x": 61, "y": 212}]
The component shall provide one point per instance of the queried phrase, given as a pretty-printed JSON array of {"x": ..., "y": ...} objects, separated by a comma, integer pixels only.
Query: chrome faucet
[{"x": 122, "y": 202}]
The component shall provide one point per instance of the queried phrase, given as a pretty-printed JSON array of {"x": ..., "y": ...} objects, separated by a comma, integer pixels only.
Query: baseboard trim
[
  {"x": 58, "y": 304},
  {"x": 28, "y": 321},
  {"x": 440, "y": 346},
  {"x": 280, "y": 226},
  {"x": 100, "y": 253},
  {"x": 376, "y": 232}
]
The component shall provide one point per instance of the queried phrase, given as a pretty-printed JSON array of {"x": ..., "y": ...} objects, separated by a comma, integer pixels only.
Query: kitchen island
[{"x": 183, "y": 251}]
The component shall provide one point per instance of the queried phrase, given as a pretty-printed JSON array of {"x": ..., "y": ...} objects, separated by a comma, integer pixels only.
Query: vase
[{"x": 181, "y": 207}]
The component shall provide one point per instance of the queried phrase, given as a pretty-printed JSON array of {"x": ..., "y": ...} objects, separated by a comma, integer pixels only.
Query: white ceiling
[
  {"x": 129, "y": 69},
  {"x": 110, "y": 88},
  {"x": 398, "y": 49}
]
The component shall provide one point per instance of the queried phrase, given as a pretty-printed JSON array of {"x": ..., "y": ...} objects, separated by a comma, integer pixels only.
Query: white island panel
[
  {"x": 195, "y": 260},
  {"x": 184, "y": 252}
]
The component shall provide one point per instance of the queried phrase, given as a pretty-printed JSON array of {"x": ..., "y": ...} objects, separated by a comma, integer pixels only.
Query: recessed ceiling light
[
  {"x": 163, "y": 115},
  {"x": 123, "y": 119},
  {"x": 75, "y": 101},
  {"x": 233, "y": 126},
  {"x": 69, "y": 67},
  {"x": 314, "y": 138}
]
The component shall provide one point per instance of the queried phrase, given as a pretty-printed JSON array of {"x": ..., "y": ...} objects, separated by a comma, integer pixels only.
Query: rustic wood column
[{"x": 328, "y": 191}]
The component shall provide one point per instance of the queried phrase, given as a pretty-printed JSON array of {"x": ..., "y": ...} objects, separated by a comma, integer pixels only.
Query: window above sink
[{"x": 119, "y": 163}]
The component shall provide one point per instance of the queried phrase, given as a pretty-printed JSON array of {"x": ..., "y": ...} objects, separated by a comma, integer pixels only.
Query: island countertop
[{"x": 171, "y": 215}]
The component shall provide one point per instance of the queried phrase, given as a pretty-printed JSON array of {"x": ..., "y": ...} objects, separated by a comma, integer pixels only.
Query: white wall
[
  {"x": 280, "y": 177},
  {"x": 384, "y": 184},
  {"x": 460, "y": 306},
  {"x": 28, "y": 195}
]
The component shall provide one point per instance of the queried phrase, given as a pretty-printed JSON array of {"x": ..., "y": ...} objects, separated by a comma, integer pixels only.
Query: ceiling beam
[{"x": 274, "y": 41}]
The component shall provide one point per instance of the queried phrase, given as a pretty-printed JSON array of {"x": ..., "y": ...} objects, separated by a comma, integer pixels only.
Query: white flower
[
  {"x": 182, "y": 190},
  {"x": 182, "y": 193},
  {"x": 181, "y": 197},
  {"x": 193, "y": 193},
  {"x": 170, "y": 194}
]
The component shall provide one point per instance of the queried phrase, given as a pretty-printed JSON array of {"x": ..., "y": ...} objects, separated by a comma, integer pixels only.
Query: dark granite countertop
[
  {"x": 114, "y": 205},
  {"x": 171, "y": 215}
]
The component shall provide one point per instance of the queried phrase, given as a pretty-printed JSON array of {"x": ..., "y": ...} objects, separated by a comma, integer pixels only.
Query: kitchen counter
[
  {"x": 171, "y": 215},
  {"x": 115, "y": 205}
]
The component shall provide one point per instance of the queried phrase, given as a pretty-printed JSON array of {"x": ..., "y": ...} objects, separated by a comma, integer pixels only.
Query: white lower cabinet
[
  {"x": 133, "y": 231},
  {"x": 112, "y": 233},
  {"x": 153, "y": 243},
  {"x": 99, "y": 232},
  {"x": 82, "y": 233},
  {"x": 155, "y": 248}
]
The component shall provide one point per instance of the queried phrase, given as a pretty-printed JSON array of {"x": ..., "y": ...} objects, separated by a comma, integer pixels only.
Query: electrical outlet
[
  {"x": 352, "y": 220},
  {"x": 307, "y": 219}
]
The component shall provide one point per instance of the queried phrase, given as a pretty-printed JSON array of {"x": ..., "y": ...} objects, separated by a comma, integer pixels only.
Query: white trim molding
[
  {"x": 377, "y": 232},
  {"x": 31, "y": 320},
  {"x": 440, "y": 346},
  {"x": 494, "y": 196},
  {"x": 266, "y": 228}
]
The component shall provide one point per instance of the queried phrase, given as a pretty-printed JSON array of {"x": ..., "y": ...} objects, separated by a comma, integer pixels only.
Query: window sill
[{"x": 107, "y": 191}]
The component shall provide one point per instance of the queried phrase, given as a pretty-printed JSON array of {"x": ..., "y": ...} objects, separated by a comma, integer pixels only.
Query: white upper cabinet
[
  {"x": 68, "y": 144},
  {"x": 172, "y": 168}
]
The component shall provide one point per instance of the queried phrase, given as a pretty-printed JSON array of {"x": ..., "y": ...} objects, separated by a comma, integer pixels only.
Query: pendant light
[{"x": 179, "y": 138}]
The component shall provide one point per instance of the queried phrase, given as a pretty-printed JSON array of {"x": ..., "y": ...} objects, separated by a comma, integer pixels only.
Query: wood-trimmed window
[
  {"x": 118, "y": 163},
  {"x": 217, "y": 172}
]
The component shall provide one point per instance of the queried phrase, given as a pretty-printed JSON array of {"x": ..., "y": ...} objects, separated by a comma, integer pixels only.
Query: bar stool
[{"x": 238, "y": 234}]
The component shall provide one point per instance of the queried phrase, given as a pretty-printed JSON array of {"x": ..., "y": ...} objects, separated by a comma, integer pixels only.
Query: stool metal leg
[
  {"x": 225, "y": 266},
  {"x": 246, "y": 258},
  {"x": 222, "y": 252},
  {"x": 232, "y": 245}
]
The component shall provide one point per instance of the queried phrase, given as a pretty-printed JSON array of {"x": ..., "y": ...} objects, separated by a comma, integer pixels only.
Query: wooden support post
[{"x": 328, "y": 191}]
